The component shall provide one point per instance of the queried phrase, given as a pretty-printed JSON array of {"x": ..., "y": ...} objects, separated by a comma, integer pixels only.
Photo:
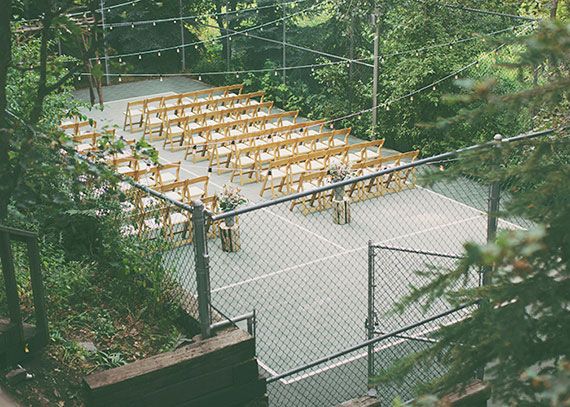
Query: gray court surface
[{"x": 306, "y": 277}]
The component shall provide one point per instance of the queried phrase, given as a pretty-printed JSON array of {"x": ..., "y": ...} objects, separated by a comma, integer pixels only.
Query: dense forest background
[{"x": 420, "y": 44}]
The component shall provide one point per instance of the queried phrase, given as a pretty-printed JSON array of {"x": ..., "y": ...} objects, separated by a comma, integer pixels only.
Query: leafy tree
[{"x": 519, "y": 331}]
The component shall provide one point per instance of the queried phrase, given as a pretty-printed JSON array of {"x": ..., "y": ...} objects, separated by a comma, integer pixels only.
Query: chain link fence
[
  {"x": 300, "y": 273},
  {"x": 306, "y": 277}
]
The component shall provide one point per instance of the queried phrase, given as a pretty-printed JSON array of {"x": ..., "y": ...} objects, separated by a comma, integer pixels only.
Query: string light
[
  {"x": 200, "y": 77},
  {"x": 161, "y": 78},
  {"x": 120, "y": 78},
  {"x": 159, "y": 54},
  {"x": 140, "y": 56}
]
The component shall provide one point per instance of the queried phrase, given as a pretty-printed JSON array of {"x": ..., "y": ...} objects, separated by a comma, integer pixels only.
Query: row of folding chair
[
  {"x": 136, "y": 109},
  {"x": 173, "y": 129},
  {"x": 218, "y": 150},
  {"x": 154, "y": 119},
  {"x": 74, "y": 127},
  {"x": 252, "y": 156},
  {"x": 394, "y": 181},
  {"x": 283, "y": 175},
  {"x": 89, "y": 142},
  {"x": 193, "y": 137}
]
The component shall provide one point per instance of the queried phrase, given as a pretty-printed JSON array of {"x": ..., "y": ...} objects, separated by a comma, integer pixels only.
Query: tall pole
[
  {"x": 108, "y": 78},
  {"x": 376, "y": 23},
  {"x": 202, "y": 268},
  {"x": 284, "y": 40},
  {"x": 228, "y": 38},
  {"x": 371, "y": 318},
  {"x": 183, "y": 42}
]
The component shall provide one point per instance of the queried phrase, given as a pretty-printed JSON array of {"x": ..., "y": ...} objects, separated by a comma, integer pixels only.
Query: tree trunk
[
  {"x": 5, "y": 60},
  {"x": 97, "y": 45},
  {"x": 42, "y": 92},
  {"x": 87, "y": 65},
  {"x": 554, "y": 9}
]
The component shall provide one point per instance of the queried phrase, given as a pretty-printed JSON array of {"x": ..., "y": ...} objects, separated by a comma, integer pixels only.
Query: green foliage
[{"x": 518, "y": 332}]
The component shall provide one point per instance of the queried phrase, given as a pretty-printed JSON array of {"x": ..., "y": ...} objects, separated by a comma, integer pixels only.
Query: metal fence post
[
  {"x": 493, "y": 208},
  {"x": 202, "y": 268},
  {"x": 371, "y": 317}
]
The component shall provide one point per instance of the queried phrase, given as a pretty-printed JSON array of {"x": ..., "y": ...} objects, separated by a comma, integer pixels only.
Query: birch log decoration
[
  {"x": 230, "y": 238},
  {"x": 341, "y": 211}
]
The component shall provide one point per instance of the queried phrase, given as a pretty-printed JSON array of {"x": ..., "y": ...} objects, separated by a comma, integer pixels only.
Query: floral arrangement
[
  {"x": 338, "y": 171},
  {"x": 230, "y": 198}
]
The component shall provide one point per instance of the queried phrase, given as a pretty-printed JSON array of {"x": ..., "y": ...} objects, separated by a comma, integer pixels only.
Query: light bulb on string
[
  {"x": 359, "y": 117},
  {"x": 120, "y": 60},
  {"x": 154, "y": 23},
  {"x": 161, "y": 78},
  {"x": 237, "y": 75},
  {"x": 196, "y": 46},
  {"x": 158, "y": 53},
  {"x": 120, "y": 78},
  {"x": 275, "y": 73},
  {"x": 178, "y": 50},
  {"x": 412, "y": 98},
  {"x": 174, "y": 21},
  {"x": 200, "y": 77},
  {"x": 132, "y": 25},
  {"x": 110, "y": 28},
  {"x": 332, "y": 126},
  {"x": 456, "y": 77},
  {"x": 433, "y": 87}
]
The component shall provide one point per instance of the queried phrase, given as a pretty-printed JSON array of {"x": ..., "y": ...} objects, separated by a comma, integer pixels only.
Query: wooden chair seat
[
  {"x": 175, "y": 196},
  {"x": 195, "y": 192}
]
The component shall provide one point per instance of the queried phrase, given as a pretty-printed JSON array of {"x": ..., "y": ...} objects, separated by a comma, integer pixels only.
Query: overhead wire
[
  {"x": 312, "y": 66},
  {"x": 481, "y": 11},
  {"x": 135, "y": 23},
  {"x": 195, "y": 43}
]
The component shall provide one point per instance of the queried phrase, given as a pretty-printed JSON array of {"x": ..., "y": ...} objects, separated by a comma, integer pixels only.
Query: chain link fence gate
[{"x": 392, "y": 274}]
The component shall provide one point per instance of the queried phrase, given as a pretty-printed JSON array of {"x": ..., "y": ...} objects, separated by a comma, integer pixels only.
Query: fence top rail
[
  {"x": 423, "y": 161},
  {"x": 18, "y": 232},
  {"x": 423, "y": 252},
  {"x": 367, "y": 343}
]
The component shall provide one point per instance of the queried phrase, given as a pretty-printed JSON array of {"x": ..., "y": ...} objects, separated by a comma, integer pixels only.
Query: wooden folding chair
[
  {"x": 134, "y": 114},
  {"x": 310, "y": 181}
]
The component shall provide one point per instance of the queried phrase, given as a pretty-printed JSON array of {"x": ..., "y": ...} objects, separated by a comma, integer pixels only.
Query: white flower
[{"x": 230, "y": 198}]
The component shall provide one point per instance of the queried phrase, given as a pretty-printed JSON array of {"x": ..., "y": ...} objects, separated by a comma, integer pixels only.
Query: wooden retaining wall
[{"x": 219, "y": 371}]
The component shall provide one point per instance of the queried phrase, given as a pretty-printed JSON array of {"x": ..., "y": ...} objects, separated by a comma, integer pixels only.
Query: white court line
[
  {"x": 253, "y": 279},
  {"x": 266, "y": 368},
  {"x": 468, "y": 206}
]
